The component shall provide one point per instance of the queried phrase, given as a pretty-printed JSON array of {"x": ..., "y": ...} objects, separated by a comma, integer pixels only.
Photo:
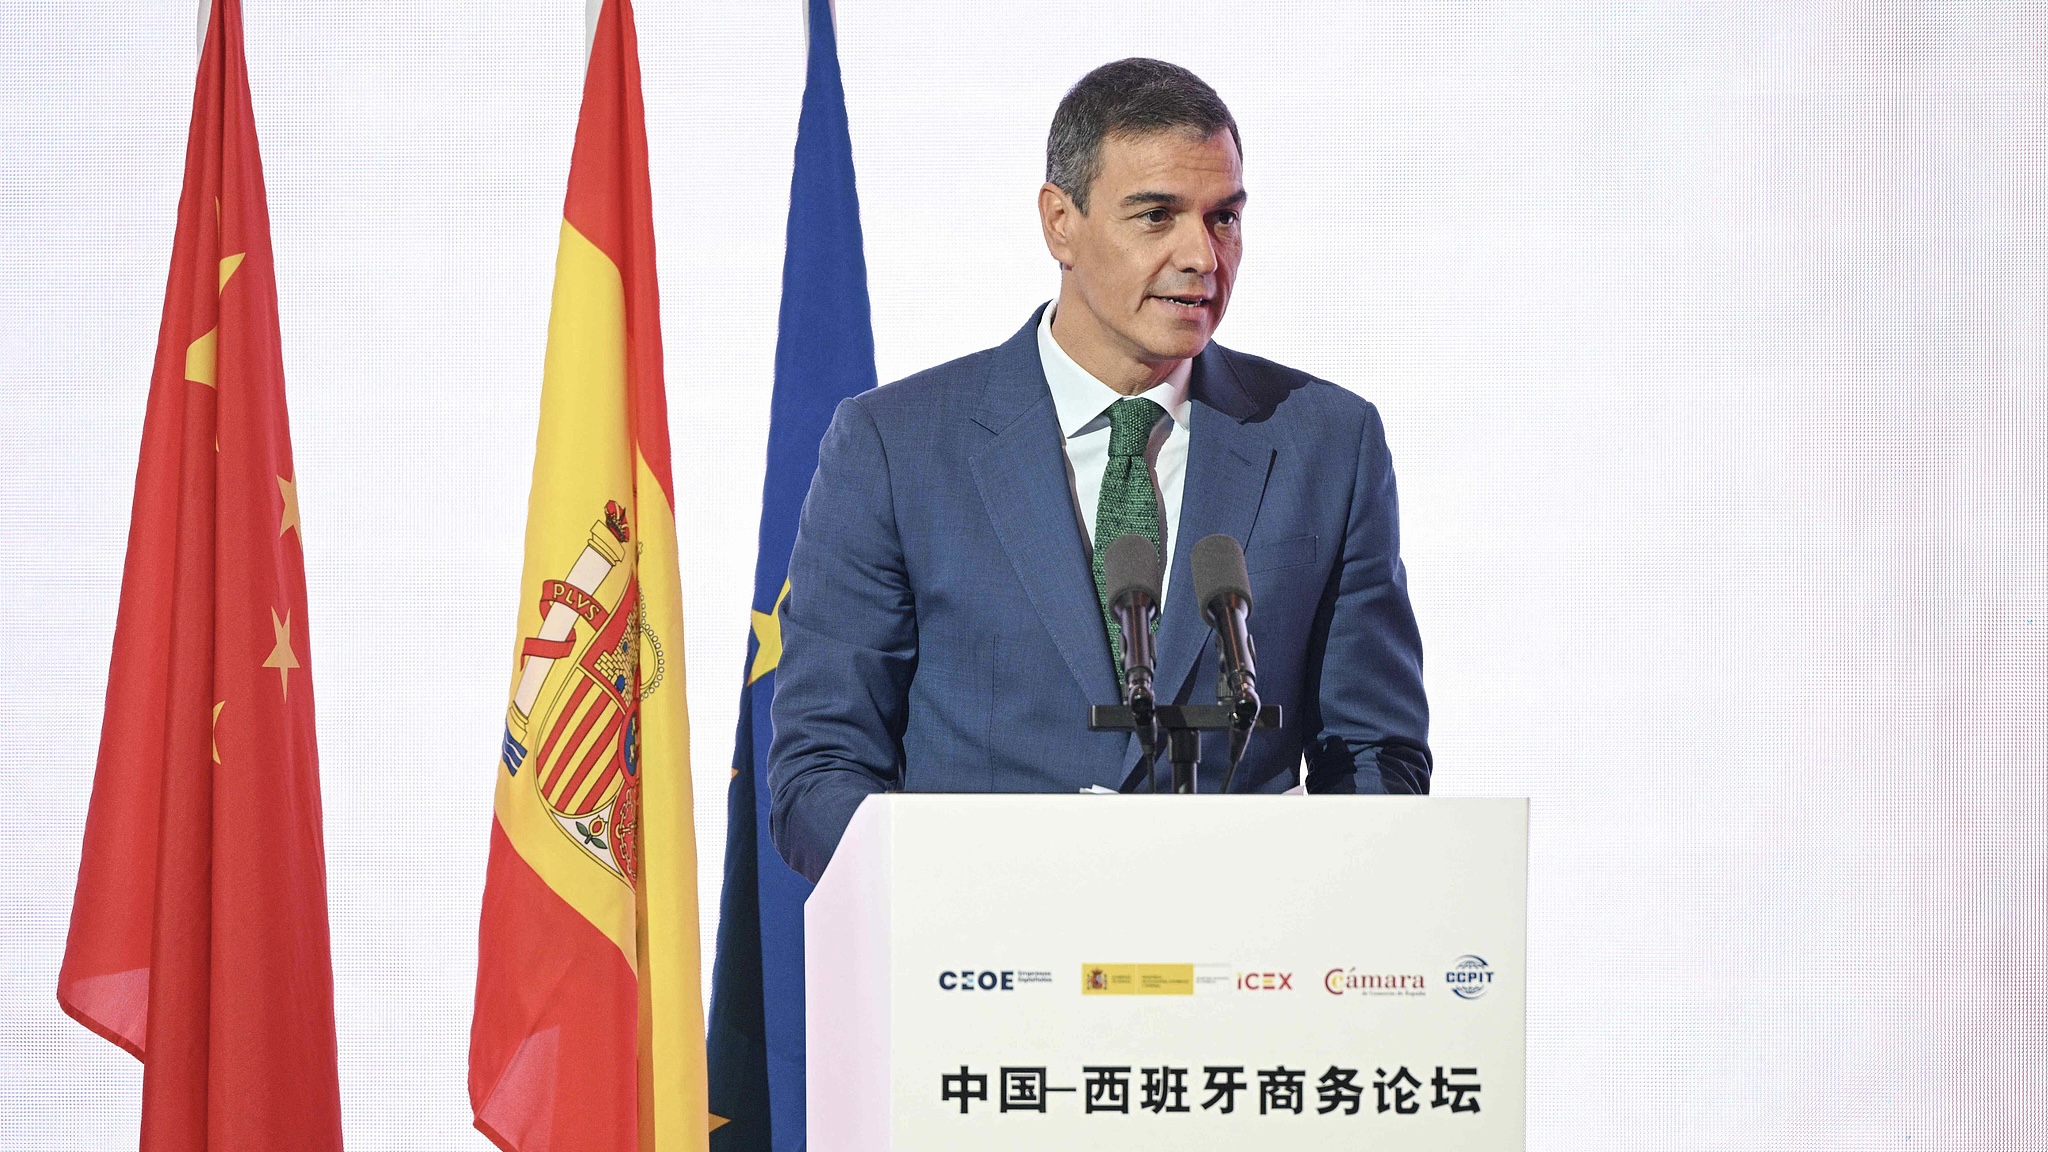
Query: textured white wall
[{"x": 1712, "y": 342}]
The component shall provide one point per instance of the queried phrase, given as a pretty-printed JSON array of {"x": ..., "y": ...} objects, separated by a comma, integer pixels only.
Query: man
[{"x": 944, "y": 629}]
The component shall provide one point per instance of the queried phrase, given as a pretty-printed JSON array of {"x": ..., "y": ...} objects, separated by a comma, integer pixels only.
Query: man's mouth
[{"x": 1191, "y": 303}]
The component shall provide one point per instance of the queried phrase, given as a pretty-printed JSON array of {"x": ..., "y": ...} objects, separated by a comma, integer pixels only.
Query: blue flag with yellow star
[{"x": 824, "y": 352}]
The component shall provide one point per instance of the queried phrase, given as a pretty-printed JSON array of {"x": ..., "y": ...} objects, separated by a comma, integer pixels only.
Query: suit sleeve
[
  {"x": 849, "y": 646},
  {"x": 1371, "y": 730}
]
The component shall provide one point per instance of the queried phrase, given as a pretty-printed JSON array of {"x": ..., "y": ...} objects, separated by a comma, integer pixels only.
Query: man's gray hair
[{"x": 1135, "y": 97}]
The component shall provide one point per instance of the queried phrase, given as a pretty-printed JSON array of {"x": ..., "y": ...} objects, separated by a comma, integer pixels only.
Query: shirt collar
[{"x": 1080, "y": 399}]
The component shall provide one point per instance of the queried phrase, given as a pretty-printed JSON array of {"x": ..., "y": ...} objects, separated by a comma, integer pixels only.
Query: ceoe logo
[{"x": 969, "y": 980}]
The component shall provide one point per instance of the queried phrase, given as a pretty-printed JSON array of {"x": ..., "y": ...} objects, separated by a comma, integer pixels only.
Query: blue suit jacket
[{"x": 941, "y": 631}]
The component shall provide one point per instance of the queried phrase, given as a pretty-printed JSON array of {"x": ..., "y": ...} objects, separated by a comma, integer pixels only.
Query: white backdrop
[{"x": 1712, "y": 342}]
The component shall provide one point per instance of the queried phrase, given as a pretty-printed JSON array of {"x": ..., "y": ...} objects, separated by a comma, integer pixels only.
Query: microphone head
[
  {"x": 1130, "y": 564},
  {"x": 1218, "y": 569}
]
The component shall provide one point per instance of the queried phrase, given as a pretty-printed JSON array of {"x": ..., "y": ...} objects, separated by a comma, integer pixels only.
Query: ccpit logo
[{"x": 1469, "y": 977}]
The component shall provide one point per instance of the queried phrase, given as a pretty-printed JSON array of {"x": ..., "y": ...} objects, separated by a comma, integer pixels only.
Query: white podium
[{"x": 1169, "y": 972}]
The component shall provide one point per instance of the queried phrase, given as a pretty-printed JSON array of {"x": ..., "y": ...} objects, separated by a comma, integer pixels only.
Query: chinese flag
[
  {"x": 589, "y": 1027},
  {"x": 199, "y": 931}
]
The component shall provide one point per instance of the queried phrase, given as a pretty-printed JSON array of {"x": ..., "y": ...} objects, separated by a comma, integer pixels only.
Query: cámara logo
[
  {"x": 1469, "y": 977},
  {"x": 1339, "y": 981}
]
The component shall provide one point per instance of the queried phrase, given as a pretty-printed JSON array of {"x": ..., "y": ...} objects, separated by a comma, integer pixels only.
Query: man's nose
[{"x": 1194, "y": 247}]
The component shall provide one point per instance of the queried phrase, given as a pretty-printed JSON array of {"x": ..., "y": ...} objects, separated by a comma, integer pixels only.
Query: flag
[
  {"x": 824, "y": 352},
  {"x": 589, "y": 1029},
  {"x": 199, "y": 937}
]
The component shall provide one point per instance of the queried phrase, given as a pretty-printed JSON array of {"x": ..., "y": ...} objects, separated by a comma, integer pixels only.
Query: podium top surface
[
  {"x": 1146, "y": 831},
  {"x": 1004, "y": 807}
]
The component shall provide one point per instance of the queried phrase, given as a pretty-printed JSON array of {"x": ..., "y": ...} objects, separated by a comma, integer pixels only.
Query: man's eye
[
  {"x": 1155, "y": 216},
  {"x": 1226, "y": 219}
]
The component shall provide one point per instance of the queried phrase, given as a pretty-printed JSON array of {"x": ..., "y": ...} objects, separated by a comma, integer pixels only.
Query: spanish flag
[
  {"x": 588, "y": 1031},
  {"x": 199, "y": 938}
]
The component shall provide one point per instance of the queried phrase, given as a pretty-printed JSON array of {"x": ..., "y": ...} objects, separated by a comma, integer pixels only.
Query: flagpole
[
  {"x": 205, "y": 14},
  {"x": 592, "y": 9}
]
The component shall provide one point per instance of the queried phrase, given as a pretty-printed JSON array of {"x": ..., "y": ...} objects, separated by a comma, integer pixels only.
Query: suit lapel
[
  {"x": 1230, "y": 455},
  {"x": 1022, "y": 476}
]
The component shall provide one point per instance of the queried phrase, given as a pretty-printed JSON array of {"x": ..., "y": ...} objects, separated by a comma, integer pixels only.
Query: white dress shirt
[{"x": 1082, "y": 405}]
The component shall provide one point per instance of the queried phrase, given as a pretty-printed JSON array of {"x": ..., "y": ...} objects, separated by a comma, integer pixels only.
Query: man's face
[{"x": 1153, "y": 259}]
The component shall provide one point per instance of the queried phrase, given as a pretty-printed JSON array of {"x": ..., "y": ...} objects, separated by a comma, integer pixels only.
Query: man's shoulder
[
  {"x": 921, "y": 394},
  {"x": 1011, "y": 368},
  {"x": 1267, "y": 390},
  {"x": 1291, "y": 397}
]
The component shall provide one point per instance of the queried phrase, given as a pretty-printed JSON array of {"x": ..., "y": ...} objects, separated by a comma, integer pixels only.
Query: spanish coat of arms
[{"x": 572, "y": 728}]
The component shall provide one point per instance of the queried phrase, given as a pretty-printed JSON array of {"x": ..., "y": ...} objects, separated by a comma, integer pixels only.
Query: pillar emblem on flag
[{"x": 573, "y": 725}]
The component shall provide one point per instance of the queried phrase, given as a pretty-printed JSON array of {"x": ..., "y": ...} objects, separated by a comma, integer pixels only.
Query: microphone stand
[
  {"x": 1144, "y": 719},
  {"x": 1184, "y": 725},
  {"x": 1238, "y": 692}
]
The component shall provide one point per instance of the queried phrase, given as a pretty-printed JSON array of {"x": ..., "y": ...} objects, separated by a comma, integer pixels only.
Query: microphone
[
  {"x": 1131, "y": 578},
  {"x": 1223, "y": 590}
]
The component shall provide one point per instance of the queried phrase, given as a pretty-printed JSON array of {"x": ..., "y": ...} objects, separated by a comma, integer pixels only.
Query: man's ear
[{"x": 1057, "y": 216}]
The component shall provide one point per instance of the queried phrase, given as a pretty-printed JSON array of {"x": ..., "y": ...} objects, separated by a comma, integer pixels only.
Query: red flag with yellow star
[
  {"x": 199, "y": 937},
  {"x": 588, "y": 1034}
]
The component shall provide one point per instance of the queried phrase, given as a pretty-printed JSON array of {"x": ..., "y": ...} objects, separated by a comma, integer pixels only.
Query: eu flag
[{"x": 824, "y": 352}]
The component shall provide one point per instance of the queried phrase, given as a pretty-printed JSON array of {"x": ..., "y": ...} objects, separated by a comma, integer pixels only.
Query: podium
[{"x": 1169, "y": 972}]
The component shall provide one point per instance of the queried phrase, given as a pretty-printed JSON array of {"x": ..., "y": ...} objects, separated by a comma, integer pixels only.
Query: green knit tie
[{"x": 1128, "y": 503}]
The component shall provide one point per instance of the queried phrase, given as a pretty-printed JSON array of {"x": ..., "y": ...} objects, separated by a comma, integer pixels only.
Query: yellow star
[
  {"x": 202, "y": 359},
  {"x": 289, "y": 489},
  {"x": 216, "y": 730},
  {"x": 281, "y": 657},
  {"x": 768, "y": 630}
]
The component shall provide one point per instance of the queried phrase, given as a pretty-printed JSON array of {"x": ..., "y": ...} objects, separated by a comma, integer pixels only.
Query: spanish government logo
[
  {"x": 573, "y": 724},
  {"x": 1137, "y": 979},
  {"x": 1469, "y": 977}
]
